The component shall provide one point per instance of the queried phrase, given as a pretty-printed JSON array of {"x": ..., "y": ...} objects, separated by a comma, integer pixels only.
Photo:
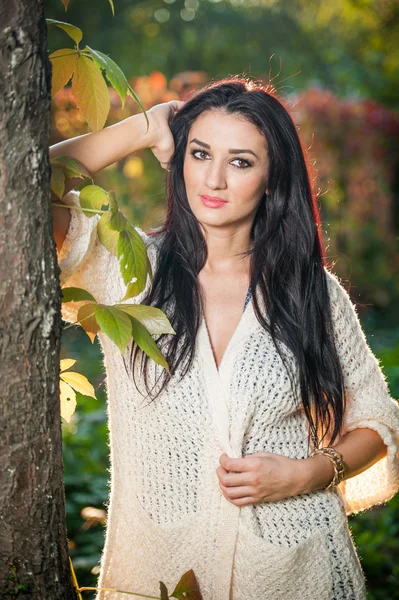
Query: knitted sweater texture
[{"x": 166, "y": 512}]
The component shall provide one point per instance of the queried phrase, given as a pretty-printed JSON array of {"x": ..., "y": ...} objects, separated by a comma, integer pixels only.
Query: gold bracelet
[{"x": 338, "y": 464}]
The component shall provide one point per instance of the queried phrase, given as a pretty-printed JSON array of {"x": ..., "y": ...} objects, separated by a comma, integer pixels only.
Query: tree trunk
[{"x": 33, "y": 545}]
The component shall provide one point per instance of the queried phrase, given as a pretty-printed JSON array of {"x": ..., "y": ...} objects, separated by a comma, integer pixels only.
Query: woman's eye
[
  {"x": 195, "y": 152},
  {"x": 244, "y": 163}
]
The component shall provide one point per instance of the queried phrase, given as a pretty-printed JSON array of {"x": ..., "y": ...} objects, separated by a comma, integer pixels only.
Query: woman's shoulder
[{"x": 337, "y": 287}]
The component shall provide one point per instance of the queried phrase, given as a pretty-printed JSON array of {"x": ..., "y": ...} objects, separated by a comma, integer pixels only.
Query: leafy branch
[
  {"x": 87, "y": 68},
  {"x": 120, "y": 322}
]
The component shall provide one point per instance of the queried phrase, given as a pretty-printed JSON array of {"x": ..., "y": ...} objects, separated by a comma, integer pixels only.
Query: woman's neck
[{"x": 225, "y": 250}]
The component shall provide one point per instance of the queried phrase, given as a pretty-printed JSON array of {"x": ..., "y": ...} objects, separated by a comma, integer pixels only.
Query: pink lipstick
[{"x": 213, "y": 201}]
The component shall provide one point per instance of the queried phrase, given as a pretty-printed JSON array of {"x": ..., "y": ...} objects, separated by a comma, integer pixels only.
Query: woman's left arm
[{"x": 360, "y": 449}]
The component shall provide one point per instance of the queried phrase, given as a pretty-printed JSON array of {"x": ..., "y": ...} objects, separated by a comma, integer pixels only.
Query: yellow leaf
[
  {"x": 66, "y": 363},
  {"x": 91, "y": 93},
  {"x": 67, "y": 400},
  {"x": 64, "y": 65},
  {"x": 79, "y": 383}
]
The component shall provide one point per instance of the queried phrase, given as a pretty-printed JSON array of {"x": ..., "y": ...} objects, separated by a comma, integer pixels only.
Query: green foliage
[
  {"x": 74, "y": 32},
  {"x": 85, "y": 68},
  {"x": 120, "y": 238},
  {"x": 115, "y": 324},
  {"x": 112, "y": 72},
  {"x": 63, "y": 167},
  {"x": 73, "y": 294}
]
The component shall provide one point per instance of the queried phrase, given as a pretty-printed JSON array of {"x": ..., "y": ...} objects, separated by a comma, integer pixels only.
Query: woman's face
[{"x": 226, "y": 158}]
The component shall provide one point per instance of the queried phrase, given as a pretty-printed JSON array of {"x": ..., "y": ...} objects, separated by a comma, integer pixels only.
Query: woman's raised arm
[{"x": 101, "y": 148}]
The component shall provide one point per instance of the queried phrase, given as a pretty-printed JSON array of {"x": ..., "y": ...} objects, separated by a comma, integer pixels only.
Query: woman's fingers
[{"x": 234, "y": 479}]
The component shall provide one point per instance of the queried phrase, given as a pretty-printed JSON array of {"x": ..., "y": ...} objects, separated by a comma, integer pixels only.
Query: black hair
[{"x": 287, "y": 260}]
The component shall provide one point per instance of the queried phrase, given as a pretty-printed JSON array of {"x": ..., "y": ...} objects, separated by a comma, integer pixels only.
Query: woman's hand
[
  {"x": 158, "y": 116},
  {"x": 260, "y": 477}
]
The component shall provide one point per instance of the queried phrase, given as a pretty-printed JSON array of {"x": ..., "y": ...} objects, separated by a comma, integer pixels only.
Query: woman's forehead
[{"x": 231, "y": 131}]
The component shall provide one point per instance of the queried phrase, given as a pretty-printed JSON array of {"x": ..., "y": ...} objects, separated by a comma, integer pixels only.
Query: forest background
[{"x": 334, "y": 65}]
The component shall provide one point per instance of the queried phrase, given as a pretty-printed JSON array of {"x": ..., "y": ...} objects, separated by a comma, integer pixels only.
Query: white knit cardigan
[{"x": 166, "y": 512}]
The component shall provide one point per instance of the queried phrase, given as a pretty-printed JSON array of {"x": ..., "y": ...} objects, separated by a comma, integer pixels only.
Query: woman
[{"x": 215, "y": 472}]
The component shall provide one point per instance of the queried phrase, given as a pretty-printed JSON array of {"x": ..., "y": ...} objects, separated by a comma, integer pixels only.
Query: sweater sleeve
[
  {"x": 85, "y": 263},
  {"x": 369, "y": 404}
]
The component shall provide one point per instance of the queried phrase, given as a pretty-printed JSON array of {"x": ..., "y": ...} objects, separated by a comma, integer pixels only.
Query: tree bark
[{"x": 33, "y": 545}]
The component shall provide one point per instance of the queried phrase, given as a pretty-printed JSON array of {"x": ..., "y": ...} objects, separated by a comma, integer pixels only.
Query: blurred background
[{"x": 335, "y": 67}]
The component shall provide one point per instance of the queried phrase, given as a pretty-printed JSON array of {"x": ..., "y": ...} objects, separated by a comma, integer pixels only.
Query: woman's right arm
[{"x": 101, "y": 148}]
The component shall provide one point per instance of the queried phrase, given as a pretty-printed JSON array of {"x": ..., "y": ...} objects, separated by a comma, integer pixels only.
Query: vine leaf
[
  {"x": 74, "y": 32},
  {"x": 79, "y": 383},
  {"x": 91, "y": 93},
  {"x": 71, "y": 382},
  {"x": 115, "y": 324},
  {"x": 72, "y": 167},
  {"x": 66, "y": 363},
  {"x": 164, "y": 591},
  {"x": 152, "y": 318},
  {"x": 94, "y": 197},
  {"x": 132, "y": 256},
  {"x": 107, "y": 236},
  {"x": 187, "y": 587},
  {"x": 133, "y": 94},
  {"x": 67, "y": 401},
  {"x": 113, "y": 73},
  {"x": 74, "y": 294},
  {"x": 87, "y": 320},
  {"x": 57, "y": 182},
  {"x": 64, "y": 65},
  {"x": 144, "y": 341}
]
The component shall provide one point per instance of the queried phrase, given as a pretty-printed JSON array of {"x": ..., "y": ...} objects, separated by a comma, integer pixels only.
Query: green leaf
[
  {"x": 87, "y": 320},
  {"x": 72, "y": 167},
  {"x": 113, "y": 203},
  {"x": 144, "y": 341},
  {"x": 63, "y": 67},
  {"x": 57, "y": 183},
  {"x": 115, "y": 324},
  {"x": 74, "y": 294},
  {"x": 74, "y": 32},
  {"x": 132, "y": 255},
  {"x": 133, "y": 94},
  {"x": 91, "y": 93},
  {"x": 153, "y": 319},
  {"x": 118, "y": 221},
  {"x": 164, "y": 591},
  {"x": 187, "y": 587},
  {"x": 94, "y": 197},
  {"x": 112, "y": 7},
  {"x": 113, "y": 73},
  {"x": 107, "y": 236}
]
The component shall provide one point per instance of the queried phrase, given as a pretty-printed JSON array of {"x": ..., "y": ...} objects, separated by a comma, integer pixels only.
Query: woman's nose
[{"x": 215, "y": 176}]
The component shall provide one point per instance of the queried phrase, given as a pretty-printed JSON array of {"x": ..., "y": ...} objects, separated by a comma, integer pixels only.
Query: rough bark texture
[{"x": 33, "y": 547}]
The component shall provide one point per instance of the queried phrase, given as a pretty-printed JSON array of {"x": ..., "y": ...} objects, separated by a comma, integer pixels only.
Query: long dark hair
[{"x": 287, "y": 264}]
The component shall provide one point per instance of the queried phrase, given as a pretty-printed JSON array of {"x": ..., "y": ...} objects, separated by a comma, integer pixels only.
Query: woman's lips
[{"x": 213, "y": 201}]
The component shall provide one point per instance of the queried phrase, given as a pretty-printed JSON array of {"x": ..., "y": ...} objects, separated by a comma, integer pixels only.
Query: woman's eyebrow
[{"x": 231, "y": 151}]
